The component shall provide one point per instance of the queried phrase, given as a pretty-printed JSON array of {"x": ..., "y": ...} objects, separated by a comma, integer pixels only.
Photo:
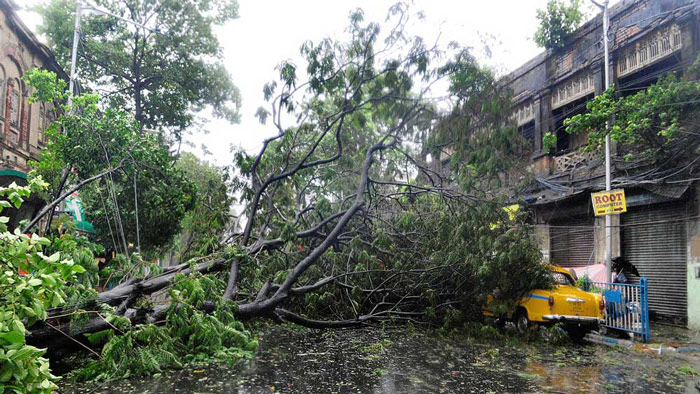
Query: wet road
[{"x": 400, "y": 361}]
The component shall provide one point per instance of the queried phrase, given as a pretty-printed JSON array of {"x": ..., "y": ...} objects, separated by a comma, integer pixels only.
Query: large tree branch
[
  {"x": 261, "y": 245},
  {"x": 281, "y": 294}
]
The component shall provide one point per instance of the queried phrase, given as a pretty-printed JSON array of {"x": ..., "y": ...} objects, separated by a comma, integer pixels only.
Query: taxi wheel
[
  {"x": 522, "y": 323},
  {"x": 576, "y": 333},
  {"x": 501, "y": 324}
]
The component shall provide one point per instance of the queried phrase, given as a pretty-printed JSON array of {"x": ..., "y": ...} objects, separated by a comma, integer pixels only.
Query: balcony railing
[{"x": 572, "y": 160}]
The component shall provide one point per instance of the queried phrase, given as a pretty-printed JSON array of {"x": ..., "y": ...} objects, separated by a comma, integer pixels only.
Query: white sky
[{"x": 269, "y": 31}]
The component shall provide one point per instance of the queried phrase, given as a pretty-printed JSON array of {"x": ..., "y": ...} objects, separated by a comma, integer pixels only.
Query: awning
[
  {"x": 74, "y": 207},
  {"x": 9, "y": 172},
  {"x": 670, "y": 190}
]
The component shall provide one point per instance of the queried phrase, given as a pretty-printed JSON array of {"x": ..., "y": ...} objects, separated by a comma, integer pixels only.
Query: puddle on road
[{"x": 397, "y": 361}]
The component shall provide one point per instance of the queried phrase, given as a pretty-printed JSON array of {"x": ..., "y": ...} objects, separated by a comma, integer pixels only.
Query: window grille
[
  {"x": 573, "y": 89},
  {"x": 524, "y": 113},
  {"x": 657, "y": 46}
]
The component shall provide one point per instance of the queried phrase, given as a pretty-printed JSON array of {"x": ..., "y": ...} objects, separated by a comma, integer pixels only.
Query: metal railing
[{"x": 626, "y": 307}]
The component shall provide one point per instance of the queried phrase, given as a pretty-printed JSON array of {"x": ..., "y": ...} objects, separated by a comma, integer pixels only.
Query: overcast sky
[{"x": 269, "y": 31}]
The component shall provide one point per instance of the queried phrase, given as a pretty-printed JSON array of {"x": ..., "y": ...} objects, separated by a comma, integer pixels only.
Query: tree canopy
[
  {"x": 557, "y": 22},
  {"x": 163, "y": 73}
]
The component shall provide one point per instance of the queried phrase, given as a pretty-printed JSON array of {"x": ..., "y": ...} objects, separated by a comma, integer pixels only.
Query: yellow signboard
[{"x": 609, "y": 202}]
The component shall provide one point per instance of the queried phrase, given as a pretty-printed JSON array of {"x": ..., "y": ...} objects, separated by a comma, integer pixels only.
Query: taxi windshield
[{"x": 562, "y": 279}]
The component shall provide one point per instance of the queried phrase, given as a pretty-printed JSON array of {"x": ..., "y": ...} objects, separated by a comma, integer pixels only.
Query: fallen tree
[{"x": 348, "y": 221}]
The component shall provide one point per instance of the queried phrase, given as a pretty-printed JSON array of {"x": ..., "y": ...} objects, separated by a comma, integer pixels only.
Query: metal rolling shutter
[
  {"x": 658, "y": 250},
  {"x": 571, "y": 242}
]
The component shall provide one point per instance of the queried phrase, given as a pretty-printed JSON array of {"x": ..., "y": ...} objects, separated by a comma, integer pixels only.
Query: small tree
[
  {"x": 557, "y": 22},
  {"x": 143, "y": 198}
]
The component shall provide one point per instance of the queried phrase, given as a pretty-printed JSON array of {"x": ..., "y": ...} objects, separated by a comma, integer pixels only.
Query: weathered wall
[
  {"x": 542, "y": 239},
  {"x": 19, "y": 141}
]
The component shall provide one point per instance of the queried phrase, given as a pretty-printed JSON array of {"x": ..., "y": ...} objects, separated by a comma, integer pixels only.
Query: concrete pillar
[
  {"x": 537, "y": 108},
  {"x": 542, "y": 239},
  {"x": 546, "y": 114},
  {"x": 599, "y": 236},
  {"x": 598, "y": 78},
  {"x": 688, "y": 48}
]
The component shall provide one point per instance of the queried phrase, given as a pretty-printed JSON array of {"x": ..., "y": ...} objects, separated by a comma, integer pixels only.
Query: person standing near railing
[{"x": 623, "y": 268}]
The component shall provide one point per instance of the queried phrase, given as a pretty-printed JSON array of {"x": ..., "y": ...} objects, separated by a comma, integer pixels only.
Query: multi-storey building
[
  {"x": 22, "y": 124},
  {"x": 660, "y": 233}
]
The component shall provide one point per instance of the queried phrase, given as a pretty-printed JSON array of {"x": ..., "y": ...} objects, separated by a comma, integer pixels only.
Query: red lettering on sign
[
  {"x": 606, "y": 198},
  {"x": 597, "y": 199}
]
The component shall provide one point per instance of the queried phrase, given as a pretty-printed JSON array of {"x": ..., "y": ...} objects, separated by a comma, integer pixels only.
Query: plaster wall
[{"x": 693, "y": 272}]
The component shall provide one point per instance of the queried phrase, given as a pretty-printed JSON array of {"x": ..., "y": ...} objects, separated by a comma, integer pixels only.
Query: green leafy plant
[
  {"x": 188, "y": 335},
  {"x": 201, "y": 226},
  {"x": 557, "y": 22},
  {"x": 549, "y": 142},
  {"x": 88, "y": 139},
  {"x": 687, "y": 370},
  {"x": 30, "y": 283}
]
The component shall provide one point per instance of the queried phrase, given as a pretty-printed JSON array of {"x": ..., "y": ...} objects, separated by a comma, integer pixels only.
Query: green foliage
[
  {"x": 657, "y": 122},
  {"x": 477, "y": 134},
  {"x": 202, "y": 226},
  {"x": 378, "y": 347},
  {"x": 122, "y": 268},
  {"x": 557, "y": 22},
  {"x": 31, "y": 282},
  {"x": 188, "y": 336},
  {"x": 687, "y": 370},
  {"x": 455, "y": 255},
  {"x": 549, "y": 142},
  {"x": 165, "y": 75},
  {"x": 89, "y": 140}
]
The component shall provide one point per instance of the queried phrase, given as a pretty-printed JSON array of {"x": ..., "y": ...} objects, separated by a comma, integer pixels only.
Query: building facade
[
  {"x": 660, "y": 233},
  {"x": 22, "y": 125}
]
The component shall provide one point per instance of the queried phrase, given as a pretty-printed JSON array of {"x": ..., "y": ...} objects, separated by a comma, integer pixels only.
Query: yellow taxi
[{"x": 579, "y": 311}]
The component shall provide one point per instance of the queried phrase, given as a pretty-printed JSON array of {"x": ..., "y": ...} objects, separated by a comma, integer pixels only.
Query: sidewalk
[{"x": 674, "y": 336}]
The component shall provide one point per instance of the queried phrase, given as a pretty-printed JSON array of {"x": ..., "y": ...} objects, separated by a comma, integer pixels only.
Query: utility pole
[
  {"x": 74, "y": 54},
  {"x": 608, "y": 186},
  {"x": 79, "y": 8}
]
